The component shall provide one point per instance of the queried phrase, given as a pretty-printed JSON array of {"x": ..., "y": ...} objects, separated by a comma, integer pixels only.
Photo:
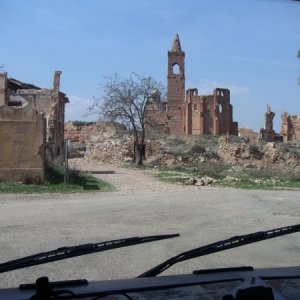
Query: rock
[
  {"x": 207, "y": 180},
  {"x": 200, "y": 182},
  {"x": 230, "y": 179},
  {"x": 190, "y": 181},
  {"x": 127, "y": 159},
  {"x": 245, "y": 155}
]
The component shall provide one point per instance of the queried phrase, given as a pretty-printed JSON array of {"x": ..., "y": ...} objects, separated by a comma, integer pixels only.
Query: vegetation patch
[
  {"x": 250, "y": 183},
  {"x": 228, "y": 161},
  {"x": 226, "y": 175},
  {"x": 55, "y": 183},
  {"x": 173, "y": 176}
]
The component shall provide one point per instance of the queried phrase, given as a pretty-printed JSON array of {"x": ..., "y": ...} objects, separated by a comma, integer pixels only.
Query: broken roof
[{"x": 14, "y": 84}]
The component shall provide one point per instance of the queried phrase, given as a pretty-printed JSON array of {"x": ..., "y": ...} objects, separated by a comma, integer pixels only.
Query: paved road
[{"x": 34, "y": 223}]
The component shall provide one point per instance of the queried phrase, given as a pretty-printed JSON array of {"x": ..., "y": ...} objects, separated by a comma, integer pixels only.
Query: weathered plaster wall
[
  {"x": 22, "y": 138},
  {"x": 50, "y": 102}
]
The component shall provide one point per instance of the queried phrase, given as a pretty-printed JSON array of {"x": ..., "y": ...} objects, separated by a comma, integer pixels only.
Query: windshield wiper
[
  {"x": 67, "y": 252},
  {"x": 233, "y": 242}
]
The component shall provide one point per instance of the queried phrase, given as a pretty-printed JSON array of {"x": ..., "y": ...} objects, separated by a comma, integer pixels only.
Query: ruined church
[{"x": 187, "y": 112}]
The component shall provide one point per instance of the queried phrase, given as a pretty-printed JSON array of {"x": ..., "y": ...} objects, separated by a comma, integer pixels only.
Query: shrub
[
  {"x": 177, "y": 141},
  {"x": 197, "y": 149},
  {"x": 255, "y": 151},
  {"x": 208, "y": 141}
]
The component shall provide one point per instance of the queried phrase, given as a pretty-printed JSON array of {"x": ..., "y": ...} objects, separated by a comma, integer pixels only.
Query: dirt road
[
  {"x": 128, "y": 180},
  {"x": 144, "y": 206}
]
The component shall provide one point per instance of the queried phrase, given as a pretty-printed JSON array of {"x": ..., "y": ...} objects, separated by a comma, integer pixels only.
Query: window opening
[
  {"x": 176, "y": 69},
  {"x": 220, "y": 108}
]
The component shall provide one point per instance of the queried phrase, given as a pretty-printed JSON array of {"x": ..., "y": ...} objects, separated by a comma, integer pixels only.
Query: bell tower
[{"x": 176, "y": 87}]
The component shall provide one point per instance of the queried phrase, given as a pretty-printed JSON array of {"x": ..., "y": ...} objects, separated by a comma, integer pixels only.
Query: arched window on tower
[{"x": 176, "y": 69}]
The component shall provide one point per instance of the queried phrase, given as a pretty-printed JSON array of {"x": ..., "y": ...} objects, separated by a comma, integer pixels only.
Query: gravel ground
[
  {"x": 144, "y": 206},
  {"x": 131, "y": 181}
]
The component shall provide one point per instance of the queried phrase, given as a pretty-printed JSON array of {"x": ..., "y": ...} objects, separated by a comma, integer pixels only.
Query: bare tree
[{"x": 125, "y": 101}]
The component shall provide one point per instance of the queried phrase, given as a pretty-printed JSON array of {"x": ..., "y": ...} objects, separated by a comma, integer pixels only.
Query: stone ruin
[
  {"x": 31, "y": 128},
  {"x": 267, "y": 133},
  {"x": 290, "y": 128},
  {"x": 186, "y": 112}
]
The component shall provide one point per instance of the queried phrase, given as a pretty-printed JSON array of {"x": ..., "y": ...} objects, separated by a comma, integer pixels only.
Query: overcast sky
[{"x": 248, "y": 46}]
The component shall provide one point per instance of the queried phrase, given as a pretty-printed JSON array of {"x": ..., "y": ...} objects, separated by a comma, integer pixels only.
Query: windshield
[{"x": 123, "y": 119}]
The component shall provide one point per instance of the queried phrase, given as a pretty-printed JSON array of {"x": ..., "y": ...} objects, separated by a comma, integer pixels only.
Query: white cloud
[
  {"x": 207, "y": 86},
  {"x": 76, "y": 109}
]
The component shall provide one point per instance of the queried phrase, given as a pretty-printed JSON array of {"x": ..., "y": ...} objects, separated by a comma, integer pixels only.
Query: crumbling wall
[
  {"x": 156, "y": 116},
  {"x": 267, "y": 133},
  {"x": 50, "y": 102},
  {"x": 210, "y": 114},
  {"x": 22, "y": 151},
  {"x": 290, "y": 127}
]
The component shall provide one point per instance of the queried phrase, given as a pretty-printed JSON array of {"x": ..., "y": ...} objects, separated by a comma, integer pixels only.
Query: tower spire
[{"x": 176, "y": 44}]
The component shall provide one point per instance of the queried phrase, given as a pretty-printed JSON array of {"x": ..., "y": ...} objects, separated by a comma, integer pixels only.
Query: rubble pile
[
  {"x": 111, "y": 151},
  {"x": 104, "y": 142},
  {"x": 109, "y": 142},
  {"x": 256, "y": 153}
]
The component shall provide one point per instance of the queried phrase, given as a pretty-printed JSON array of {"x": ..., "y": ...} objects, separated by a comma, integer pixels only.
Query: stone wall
[
  {"x": 50, "y": 102},
  {"x": 290, "y": 128},
  {"x": 22, "y": 151}
]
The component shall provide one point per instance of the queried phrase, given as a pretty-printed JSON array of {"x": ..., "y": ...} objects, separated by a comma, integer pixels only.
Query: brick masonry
[{"x": 186, "y": 112}]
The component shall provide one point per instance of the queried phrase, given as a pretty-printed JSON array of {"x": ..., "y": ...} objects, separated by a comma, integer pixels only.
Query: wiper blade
[
  {"x": 233, "y": 242},
  {"x": 73, "y": 251}
]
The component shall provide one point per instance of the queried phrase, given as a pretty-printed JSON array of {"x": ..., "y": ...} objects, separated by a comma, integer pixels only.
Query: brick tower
[{"x": 176, "y": 87}]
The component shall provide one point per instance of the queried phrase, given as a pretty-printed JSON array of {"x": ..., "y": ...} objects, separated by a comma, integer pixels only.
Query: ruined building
[
  {"x": 186, "y": 112},
  {"x": 290, "y": 128},
  {"x": 31, "y": 127},
  {"x": 267, "y": 133}
]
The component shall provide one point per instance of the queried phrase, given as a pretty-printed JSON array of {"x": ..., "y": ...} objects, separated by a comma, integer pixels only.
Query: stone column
[
  {"x": 3, "y": 88},
  {"x": 56, "y": 81}
]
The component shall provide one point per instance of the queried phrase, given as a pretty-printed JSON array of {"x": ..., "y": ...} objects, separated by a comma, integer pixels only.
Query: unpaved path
[{"x": 128, "y": 181}]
